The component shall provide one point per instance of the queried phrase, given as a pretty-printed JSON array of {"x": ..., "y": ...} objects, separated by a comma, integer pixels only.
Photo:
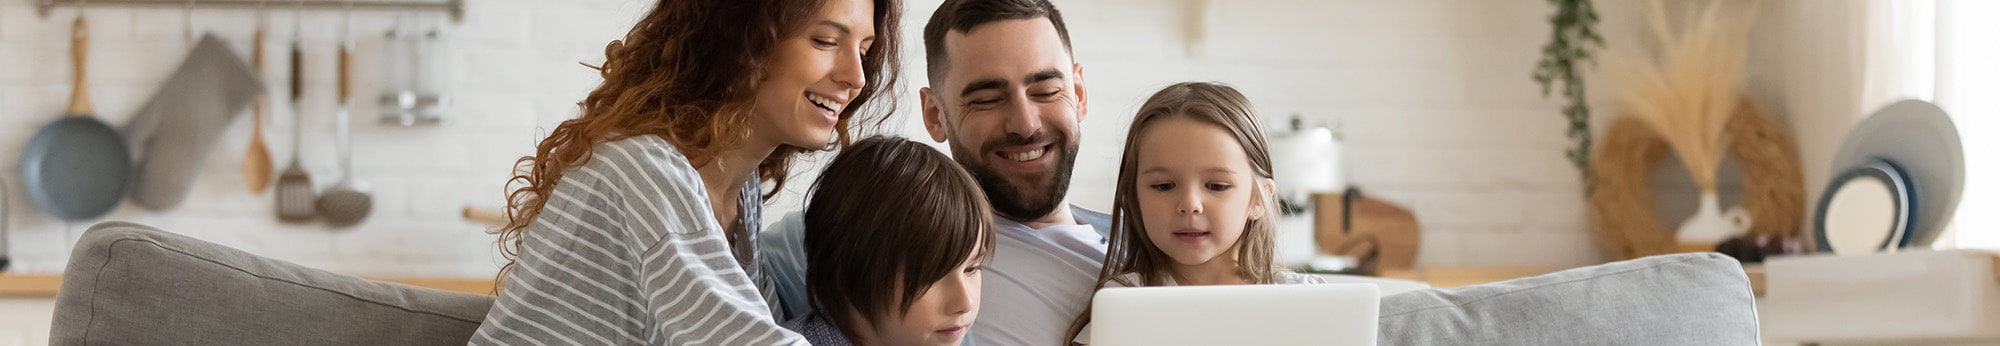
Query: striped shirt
[{"x": 627, "y": 252}]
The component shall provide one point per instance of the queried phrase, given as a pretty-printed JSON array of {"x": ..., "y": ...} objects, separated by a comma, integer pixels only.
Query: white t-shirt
[{"x": 1040, "y": 279}]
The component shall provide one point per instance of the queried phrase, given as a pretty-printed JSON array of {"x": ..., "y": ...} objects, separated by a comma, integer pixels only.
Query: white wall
[
  {"x": 1808, "y": 68},
  {"x": 27, "y": 321},
  {"x": 1965, "y": 83},
  {"x": 1440, "y": 116},
  {"x": 515, "y": 69},
  {"x": 1439, "y": 112}
]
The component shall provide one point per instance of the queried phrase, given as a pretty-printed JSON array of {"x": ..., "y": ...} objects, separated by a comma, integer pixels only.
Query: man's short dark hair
[{"x": 963, "y": 15}]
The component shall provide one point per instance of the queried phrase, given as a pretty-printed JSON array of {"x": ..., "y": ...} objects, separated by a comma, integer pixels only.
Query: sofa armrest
[{"x": 130, "y": 284}]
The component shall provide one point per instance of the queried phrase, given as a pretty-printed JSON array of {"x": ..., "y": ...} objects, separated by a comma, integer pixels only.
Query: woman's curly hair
[{"x": 688, "y": 73}]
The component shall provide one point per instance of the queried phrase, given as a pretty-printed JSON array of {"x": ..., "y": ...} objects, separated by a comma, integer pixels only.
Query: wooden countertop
[
  {"x": 46, "y": 285},
  {"x": 17, "y": 285}
]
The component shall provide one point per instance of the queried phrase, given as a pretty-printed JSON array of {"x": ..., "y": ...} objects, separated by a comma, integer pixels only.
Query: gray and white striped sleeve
[{"x": 637, "y": 259}]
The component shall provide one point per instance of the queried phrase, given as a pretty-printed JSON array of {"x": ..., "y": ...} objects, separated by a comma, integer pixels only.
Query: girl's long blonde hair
[{"x": 1131, "y": 251}]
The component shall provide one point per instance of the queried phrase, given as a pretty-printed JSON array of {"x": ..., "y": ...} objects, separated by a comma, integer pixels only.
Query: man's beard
[{"x": 1042, "y": 194}]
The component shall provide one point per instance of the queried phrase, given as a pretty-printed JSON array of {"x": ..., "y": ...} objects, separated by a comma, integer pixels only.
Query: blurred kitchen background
[{"x": 1432, "y": 102}]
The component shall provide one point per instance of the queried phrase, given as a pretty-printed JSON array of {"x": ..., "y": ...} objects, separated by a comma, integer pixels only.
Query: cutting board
[{"x": 1393, "y": 227}]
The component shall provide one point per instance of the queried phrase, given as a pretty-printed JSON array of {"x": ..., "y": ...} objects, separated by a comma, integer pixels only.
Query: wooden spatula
[{"x": 257, "y": 162}]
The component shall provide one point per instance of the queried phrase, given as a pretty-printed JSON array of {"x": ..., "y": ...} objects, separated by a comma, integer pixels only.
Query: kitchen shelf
[{"x": 454, "y": 7}]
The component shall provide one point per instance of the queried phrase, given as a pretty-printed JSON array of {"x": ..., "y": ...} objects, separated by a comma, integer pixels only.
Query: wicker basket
[{"x": 1621, "y": 202}]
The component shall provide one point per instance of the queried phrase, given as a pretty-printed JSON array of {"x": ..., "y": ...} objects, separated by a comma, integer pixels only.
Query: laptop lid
[{"x": 1296, "y": 314}]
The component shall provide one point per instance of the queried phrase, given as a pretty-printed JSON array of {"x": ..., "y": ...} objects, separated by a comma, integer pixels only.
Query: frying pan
[{"x": 77, "y": 167}]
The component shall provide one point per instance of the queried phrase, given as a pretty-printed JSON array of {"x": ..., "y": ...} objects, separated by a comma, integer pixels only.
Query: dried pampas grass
[{"x": 1689, "y": 87}]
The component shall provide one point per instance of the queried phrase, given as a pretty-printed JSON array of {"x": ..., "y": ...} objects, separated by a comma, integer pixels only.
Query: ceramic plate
[
  {"x": 1922, "y": 141},
  {"x": 1864, "y": 210}
]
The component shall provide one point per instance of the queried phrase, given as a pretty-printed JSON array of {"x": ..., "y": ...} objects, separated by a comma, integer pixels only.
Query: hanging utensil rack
[{"x": 455, "y": 7}]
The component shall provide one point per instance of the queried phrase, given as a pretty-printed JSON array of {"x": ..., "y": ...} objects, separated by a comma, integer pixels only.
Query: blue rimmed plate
[
  {"x": 1866, "y": 209},
  {"x": 1918, "y": 140}
]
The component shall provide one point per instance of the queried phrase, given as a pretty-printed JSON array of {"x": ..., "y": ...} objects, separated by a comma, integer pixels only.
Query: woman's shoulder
[
  {"x": 641, "y": 171},
  {"x": 644, "y": 151},
  {"x": 634, "y": 164}
]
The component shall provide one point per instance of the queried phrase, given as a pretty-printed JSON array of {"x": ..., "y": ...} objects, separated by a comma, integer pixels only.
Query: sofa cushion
[
  {"x": 1685, "y": 299},
  {"x": 129, "y": 284}
]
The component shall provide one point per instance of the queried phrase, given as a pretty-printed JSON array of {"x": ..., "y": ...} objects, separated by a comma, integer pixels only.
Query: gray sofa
[{"x": 129, "y": 284}]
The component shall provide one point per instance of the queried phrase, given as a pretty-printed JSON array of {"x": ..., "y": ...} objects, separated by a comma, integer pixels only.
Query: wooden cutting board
[{"x": 1393, "y": 227}]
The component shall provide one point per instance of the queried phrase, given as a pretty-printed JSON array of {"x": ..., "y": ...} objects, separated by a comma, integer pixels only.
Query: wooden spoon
[{"x": 257, "y": 163}]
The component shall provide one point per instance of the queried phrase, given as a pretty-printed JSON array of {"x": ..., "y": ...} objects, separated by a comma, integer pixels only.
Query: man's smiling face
[{"x": 1009, "y": 104}]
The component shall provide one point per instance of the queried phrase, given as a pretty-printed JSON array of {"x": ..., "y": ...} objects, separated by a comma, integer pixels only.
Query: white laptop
[{"x": 1300, "y": 314}]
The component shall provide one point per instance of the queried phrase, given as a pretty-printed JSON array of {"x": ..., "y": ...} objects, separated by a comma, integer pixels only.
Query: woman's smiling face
[{"x": 813, "y": 76}]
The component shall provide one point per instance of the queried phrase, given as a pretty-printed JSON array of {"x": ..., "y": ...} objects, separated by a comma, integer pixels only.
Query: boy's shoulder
[{"x": 817, "y": 331}]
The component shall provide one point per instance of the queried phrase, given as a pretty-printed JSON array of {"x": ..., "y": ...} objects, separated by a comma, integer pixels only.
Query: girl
[
  {"x": 895, "y": 237},
  {"x": 1194, "y": 200},
  {"x": 636, "y": 220}
]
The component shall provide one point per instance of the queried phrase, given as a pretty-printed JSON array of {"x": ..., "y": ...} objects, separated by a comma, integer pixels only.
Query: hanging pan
[{"x": 77, "y": 167}]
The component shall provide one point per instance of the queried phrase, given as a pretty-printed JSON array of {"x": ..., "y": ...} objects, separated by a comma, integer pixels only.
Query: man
[{"x": 1007, "y": 96}]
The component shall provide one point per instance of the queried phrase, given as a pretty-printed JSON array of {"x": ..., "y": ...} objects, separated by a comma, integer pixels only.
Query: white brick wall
[
  {"x": 1438, "y": 110},
  {"x": 1439, "y": 113}
]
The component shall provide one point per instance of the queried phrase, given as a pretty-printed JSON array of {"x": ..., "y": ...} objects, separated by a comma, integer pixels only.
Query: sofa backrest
[{"x": 1684, "y": 299}]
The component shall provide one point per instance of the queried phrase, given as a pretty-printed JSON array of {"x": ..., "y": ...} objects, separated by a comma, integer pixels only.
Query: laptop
[{"x": 1299, "y": 314}]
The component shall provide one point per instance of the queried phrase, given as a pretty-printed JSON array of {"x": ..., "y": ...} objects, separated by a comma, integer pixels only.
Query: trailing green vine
[{"x": 1573, "y": 37}]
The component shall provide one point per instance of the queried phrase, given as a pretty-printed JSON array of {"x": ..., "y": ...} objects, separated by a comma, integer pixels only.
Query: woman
[{"x": 636, "y": 221}]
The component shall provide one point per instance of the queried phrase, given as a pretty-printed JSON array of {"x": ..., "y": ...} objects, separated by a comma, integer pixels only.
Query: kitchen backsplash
[{"x": 1434, "y": 97}]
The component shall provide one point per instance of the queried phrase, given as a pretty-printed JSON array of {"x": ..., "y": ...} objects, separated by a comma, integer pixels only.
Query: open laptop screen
[{"x": 1300, "y": 314}]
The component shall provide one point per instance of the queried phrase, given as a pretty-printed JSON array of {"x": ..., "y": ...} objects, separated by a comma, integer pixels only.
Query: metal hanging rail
[{"x": 455, "y": 7}]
